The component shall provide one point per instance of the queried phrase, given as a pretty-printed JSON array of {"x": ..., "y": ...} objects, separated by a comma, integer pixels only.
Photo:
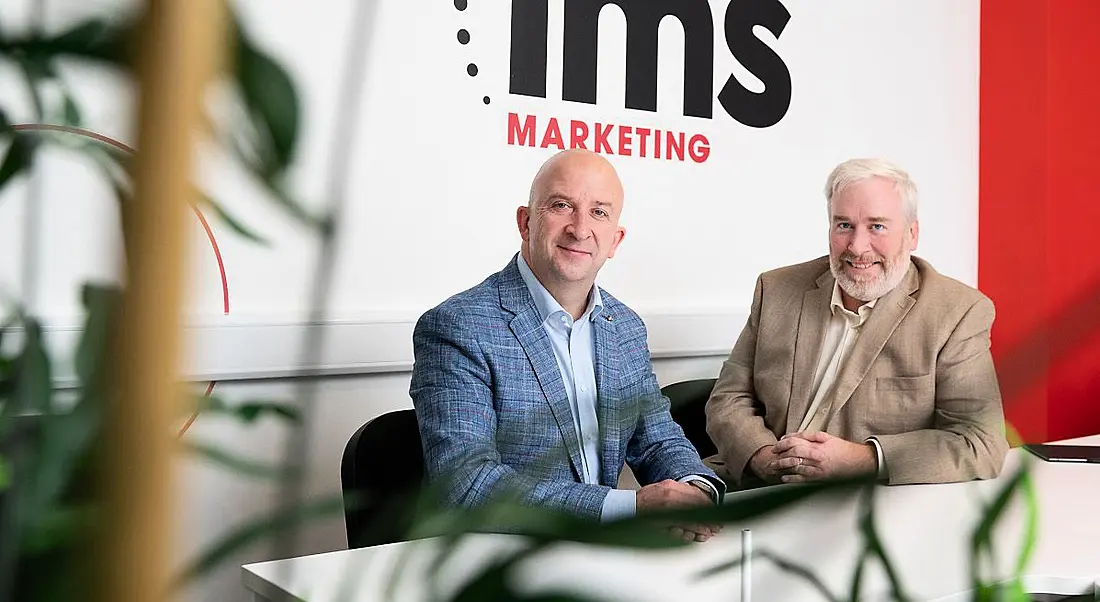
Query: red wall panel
[{"x": 1039, "y": 219}]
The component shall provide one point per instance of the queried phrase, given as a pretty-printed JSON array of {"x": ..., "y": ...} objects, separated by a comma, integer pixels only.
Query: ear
[
  {"x": 914, "y": 234},
  {"x": 620, "y": 234},
  {"x": 523, "y": 222}
]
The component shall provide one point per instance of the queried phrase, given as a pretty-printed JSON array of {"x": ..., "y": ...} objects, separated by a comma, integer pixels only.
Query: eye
[
  {"x": 843, "y": 226},
  {"x": 600, "y": 213},
  {"x": 878, "y": 227},
  {"x": 559, "y": 206}
]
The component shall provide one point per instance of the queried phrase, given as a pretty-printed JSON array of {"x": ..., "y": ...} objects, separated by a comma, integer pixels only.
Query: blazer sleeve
[
  {"x": 735, "y": 419},
  {"x": 967, "y": 440},
  {"x": 658, "y": 449},
  {"x": 452, "y": 392}
]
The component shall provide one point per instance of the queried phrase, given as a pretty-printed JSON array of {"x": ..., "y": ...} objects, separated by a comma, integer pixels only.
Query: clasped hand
[{"x": 803, "y": 456}]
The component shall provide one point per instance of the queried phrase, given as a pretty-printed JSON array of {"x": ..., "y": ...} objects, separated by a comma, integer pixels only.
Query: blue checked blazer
[{"x": 494, "y": 415}]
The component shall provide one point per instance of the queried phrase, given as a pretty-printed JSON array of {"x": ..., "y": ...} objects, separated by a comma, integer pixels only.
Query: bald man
[{"x": 537, "y": 382}]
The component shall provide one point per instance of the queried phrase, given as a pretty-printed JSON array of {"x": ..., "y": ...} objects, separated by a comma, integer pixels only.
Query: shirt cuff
[
  {"x": 710, "y": 486},
  {"x": 619, "y": 503},
  {"x": 882, "y": 473}
]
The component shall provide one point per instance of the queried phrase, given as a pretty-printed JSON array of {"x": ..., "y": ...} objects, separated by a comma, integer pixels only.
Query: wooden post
[{"x": 178, "y": 52}]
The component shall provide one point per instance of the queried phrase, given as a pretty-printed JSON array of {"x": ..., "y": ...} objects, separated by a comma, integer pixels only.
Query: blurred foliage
[
  {"x": 539, "y": 530},
  {"x": 47, "y": 435},
  {"x": 46, "y": 504}
]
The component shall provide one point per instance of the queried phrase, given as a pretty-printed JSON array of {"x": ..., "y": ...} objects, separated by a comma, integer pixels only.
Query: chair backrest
[
  {"x": 382, "y": 472},
  {"x": 688, "y": 400}
]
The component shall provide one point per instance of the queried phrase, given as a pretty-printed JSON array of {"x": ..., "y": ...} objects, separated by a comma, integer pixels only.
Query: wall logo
[{"x": 528, "y": 60}]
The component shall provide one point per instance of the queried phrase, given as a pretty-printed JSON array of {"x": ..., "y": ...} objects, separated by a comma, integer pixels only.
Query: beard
[{"x": 893, "y": 271}]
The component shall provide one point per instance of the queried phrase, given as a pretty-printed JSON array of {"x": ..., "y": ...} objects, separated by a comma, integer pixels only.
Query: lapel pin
[{"x": 607, "y": 317}]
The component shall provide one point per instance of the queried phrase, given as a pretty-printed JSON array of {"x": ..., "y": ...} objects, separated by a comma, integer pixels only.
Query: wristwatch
[{"x": 707, "y": 489}]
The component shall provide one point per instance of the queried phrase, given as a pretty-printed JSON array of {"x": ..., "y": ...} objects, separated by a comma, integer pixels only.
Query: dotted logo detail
[{"x": 464, "y": 39}]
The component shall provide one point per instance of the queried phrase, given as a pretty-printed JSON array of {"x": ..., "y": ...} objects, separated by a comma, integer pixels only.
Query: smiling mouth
[
  {"x": 862, "y": 265},
  {"x": 574, "y": 251}
]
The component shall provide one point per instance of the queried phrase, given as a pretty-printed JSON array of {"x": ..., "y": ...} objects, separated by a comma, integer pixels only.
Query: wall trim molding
[{"x": 260, "y": 350}]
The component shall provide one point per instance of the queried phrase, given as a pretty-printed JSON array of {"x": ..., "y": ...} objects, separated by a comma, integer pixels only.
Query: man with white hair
[{"x": 867, "y": 361}]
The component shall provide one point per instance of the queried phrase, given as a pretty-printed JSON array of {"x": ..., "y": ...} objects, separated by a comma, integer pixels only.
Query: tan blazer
[{"x": 920, "y": 377}]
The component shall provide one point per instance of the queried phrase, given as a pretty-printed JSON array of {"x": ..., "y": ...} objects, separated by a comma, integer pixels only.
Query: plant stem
[{"x": 182, "y": 46}]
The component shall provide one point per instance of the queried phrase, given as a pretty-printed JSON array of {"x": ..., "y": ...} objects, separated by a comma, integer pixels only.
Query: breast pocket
[
  {"x": 926, "y": 382},
  {"x": 903, "y": 403}
]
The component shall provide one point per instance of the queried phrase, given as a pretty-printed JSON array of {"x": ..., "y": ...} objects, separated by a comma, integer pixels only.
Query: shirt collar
[
  {"x": 545, "y": 303},
  {"x": 837, "y": 304}
]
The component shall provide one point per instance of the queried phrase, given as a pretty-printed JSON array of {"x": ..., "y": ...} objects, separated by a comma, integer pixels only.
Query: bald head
[{"x": 564, "y": 164}]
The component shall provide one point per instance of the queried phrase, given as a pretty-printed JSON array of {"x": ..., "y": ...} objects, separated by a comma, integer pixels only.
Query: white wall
[{"x": 435, "y": 186}]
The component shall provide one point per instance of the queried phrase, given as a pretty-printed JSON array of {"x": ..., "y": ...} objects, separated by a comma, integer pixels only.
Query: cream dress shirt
[{"x": 840, "y": 337}]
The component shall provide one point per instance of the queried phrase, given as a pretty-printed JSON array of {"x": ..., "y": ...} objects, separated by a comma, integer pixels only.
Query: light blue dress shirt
[{"x": 575, "y": 350}]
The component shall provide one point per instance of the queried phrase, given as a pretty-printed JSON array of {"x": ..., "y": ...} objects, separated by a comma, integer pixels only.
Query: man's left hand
[{"x": 816, "y": 456}]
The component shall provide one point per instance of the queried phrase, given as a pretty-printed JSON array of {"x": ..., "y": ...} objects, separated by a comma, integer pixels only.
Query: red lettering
[
  {"x": 552, "y": 135},
  {"x": 601, "y": 138},
  {"x": 526, "y": 135},
  {"x": 578, "y": 134},
  {"x": 643, "y": 133},
  {"x": 625, "y": 140},
  {"x": 699, "y": 148},
  {"x": 674, "y": 144},
  {"x": 629, "y": 141}
]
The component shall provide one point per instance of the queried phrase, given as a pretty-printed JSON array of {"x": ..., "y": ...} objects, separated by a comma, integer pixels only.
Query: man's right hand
[
  {"x": 670, "y": 494},
  {"x": 764, "y": 464}
]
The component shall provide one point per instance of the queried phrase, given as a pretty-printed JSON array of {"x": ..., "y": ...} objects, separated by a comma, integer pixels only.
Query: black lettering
[
  {"x": 642, "y": 20},
  {"x": 527, "y": 67},
  {"x": 767, "y": 108}
]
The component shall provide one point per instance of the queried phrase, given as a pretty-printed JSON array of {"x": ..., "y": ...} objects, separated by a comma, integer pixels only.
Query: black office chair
[
  {"x": 382, "y": 472},
  {"x": 689, "y": 399}
]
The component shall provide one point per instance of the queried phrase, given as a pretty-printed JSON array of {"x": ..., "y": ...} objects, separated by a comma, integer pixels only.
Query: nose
[
  {"x": 859, "y": 242},
  {"x": 578, "y": 227}
]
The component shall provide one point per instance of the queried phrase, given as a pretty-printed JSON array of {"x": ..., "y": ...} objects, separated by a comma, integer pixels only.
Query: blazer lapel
[
  {"x": 607, "y": 415},
  {"x": 884, "y": 320},
  {"x": 527, "y": 327},
  {"x": 812, "y": 323}
]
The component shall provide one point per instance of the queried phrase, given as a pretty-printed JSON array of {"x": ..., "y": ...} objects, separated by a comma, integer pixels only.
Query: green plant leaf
[
  {"x": 100, "y": 304},
  {"x": 96, "y": 39},
  {"x": 66, "y": 439},
  {"x": 228, "y": 219},
  {"x": 241, "y": 466},
  {"x": 58, "y": 527},
  {"x": 270, "y": 182},
  {"x": 35, "y": 71},
  {"x": 272, "y": 100},
  {"x": 34, "y": 387},
  {"x": 19, "y": 158},
  {"x": 279, "y": 194},
  {"x": 256, "y": 531},
  {"x": 71, "y": 112},
  {"x": 249, "y": 411},
  {"x": 783, "y": 564},
  {"x": 7, "y": 381},
  {"x": 875, "y": 548},
  {"x": 5, "y": 474},
  {"x": 489, "y": 584},
  {"x": 982, "y": 537},
  {"x": 1031, "y": 520}
]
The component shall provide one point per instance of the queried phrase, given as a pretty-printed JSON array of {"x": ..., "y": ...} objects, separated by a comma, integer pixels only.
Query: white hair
[{"x": 857, "y": 170}]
